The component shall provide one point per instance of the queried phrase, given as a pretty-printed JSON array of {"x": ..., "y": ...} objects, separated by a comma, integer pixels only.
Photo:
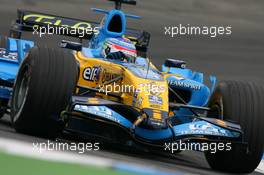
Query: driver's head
[{"x": 119, "y": 47}]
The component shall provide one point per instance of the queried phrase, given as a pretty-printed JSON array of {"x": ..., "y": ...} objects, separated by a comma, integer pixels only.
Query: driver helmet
[{"x": 120, "y": 45}]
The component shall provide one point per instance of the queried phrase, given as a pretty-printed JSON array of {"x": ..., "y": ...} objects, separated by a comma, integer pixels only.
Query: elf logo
[{"x": 91, "y": 73}]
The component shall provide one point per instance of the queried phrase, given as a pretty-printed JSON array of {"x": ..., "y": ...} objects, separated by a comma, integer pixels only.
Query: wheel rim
[{"x": 21, "y": 92}]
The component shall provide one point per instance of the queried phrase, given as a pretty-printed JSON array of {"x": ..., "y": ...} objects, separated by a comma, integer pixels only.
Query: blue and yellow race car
[{"x": 107, "y": 88}]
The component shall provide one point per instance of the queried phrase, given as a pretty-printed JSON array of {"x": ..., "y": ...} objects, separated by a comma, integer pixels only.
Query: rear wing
[
  {"x": 30, "y": 21},
  {"x": 35, "y": 22}
]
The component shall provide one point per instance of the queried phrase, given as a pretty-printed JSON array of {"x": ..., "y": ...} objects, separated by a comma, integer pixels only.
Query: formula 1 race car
[{"x": 109, "y": 89}]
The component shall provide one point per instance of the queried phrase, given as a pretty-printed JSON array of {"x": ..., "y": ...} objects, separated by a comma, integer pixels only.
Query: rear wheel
[
  {"x": 43, "y": 89},
  {"x": 241, "y": 102},
  {"x": 3, "y": 42}
]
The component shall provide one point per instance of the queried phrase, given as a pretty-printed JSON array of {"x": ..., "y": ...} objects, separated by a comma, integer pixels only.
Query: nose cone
[
  {"x": 152, "y": 99},
  {"x": 156, "y": 119}
]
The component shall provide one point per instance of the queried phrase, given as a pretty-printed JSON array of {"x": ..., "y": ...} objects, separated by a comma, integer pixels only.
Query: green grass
[{"x": 16, "y": 165}]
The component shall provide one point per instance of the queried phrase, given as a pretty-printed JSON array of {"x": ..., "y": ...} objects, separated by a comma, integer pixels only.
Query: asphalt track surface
[{"x": 236, "y": 56}]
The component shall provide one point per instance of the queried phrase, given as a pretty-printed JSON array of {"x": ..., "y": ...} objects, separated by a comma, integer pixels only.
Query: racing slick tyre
[
  {"x": 241, "y": 102},
  {"x": 43, "y": 88}
]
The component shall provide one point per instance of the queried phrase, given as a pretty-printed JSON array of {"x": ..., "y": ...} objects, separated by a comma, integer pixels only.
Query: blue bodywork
[
  {"x": 9, "y": 67},
  {"x": 192, "y": 82}
]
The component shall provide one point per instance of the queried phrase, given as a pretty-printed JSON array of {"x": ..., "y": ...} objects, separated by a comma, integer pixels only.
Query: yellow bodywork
[{"x": 131, "y": 89}]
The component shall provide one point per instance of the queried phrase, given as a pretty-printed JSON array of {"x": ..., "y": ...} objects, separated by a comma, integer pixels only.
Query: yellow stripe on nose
[{"x": 157, "y": 115}]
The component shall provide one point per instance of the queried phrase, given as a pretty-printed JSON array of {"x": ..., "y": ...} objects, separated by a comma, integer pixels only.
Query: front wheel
[
  {"x": 43, "y": 88},
  {"x": 241, "y": 102}
]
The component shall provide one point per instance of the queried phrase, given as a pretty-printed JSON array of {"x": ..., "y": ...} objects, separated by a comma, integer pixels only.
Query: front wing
[{"x": 112, "y": 114}]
